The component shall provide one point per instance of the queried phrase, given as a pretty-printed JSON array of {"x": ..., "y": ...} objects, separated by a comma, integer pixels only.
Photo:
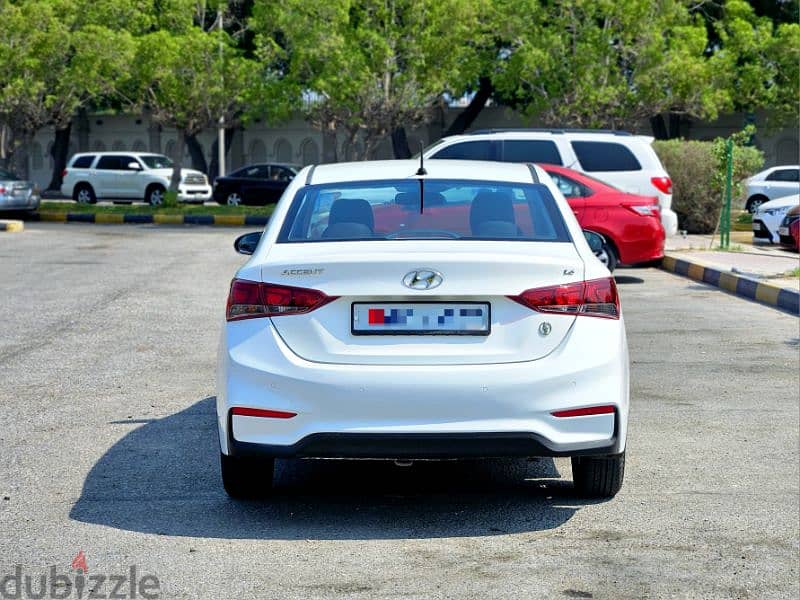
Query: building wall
[{"x": 297, "y": 142}]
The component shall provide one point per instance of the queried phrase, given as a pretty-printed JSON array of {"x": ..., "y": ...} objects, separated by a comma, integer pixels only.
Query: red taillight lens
[
  {"x": 63, "y": 173},
  {"x": 244, "y": 411},
  {"x": 662, "y": 184},
  {"x": 646, "y": 210},
  {"x": 595, "y": 298},
  {"x": 250, "y": 300},
  {"x": 589, "y": 411},
  {"x": 2, "y": 190}
]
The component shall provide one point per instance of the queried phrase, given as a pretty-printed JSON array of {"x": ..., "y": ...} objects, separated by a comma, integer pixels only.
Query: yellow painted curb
[
  {"x": 228, "y": 220},
  {"x": 696, "y": 271},
  {"x": 52, "y": 216},
  {"x": 728, "y": 281},
  {"x": 768, "y": 293},
  {"x": 168, "y": 219},
  {"x": 109, "y": 218},
  {"x": 11, "y": 226}
]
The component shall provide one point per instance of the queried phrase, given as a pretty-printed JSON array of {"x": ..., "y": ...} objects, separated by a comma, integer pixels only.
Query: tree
[
  {"x": 191, "y": 79},
  {"x": 365, "y": 67}
]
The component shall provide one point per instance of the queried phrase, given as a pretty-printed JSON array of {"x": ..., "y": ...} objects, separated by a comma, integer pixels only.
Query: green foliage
[
  {"x": 366, "y": 66},
  {"x": 697, "y": 187}
]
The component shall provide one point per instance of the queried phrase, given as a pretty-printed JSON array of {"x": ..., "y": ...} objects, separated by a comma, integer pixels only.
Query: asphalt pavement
[{"x": 108, "y": 446}]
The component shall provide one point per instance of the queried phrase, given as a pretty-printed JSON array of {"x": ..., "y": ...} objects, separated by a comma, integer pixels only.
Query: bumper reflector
[
  {"x": 585, "y": 412},
  {"x": 242, "y": 411}
]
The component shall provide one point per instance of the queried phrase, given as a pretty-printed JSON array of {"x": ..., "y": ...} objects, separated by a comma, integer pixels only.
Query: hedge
[{"x": 696, "y": 198}]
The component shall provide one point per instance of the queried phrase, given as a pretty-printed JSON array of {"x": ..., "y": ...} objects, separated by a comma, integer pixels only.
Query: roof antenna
[{"x": 421, "y": 170}]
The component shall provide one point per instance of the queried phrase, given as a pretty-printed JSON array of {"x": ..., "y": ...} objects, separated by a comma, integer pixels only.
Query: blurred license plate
[
  {"x": 783, "y": 231},
  {"x": 421, "y": 318}
]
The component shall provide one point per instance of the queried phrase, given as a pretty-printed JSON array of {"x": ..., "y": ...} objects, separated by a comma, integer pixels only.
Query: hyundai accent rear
[{"x": 452, "y": 311}]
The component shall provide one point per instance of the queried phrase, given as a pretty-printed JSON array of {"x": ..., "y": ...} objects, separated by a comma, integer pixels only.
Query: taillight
[
  {"x": 63, "y": 173},
  {"x": 2, "y": 190},
  {"x": 662, "y": 184},
  {"x": 250, "y": 300},
  {"x": 594, "y": 298},
  {"x": 646, "y": 210}
]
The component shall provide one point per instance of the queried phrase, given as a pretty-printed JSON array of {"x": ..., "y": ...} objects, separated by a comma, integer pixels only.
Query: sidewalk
[{"x": 755, "y": 271}]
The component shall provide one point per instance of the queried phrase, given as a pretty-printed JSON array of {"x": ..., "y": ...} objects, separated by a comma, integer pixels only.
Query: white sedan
[
  {"x": 395, "y": 312},
  {"x": 768, "y": 216}
]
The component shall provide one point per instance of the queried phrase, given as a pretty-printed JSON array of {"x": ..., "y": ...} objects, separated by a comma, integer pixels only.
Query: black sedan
[{"x": 254, "y": 184}]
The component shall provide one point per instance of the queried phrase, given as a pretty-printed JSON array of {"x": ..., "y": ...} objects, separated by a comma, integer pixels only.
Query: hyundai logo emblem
[{"x": 423, "y": 279}]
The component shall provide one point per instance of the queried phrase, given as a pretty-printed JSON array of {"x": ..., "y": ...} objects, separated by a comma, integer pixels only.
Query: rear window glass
[
  {"x": 7, "y": 175},
  {"x": 477, "y": 150},
  {"x": 784, "y": 175},
  {"x": 83, "y": 162},
  {"x": 605, "y": 156},
  {"x": 452, "y": 209},
  {"x": 539, "y": 151}
]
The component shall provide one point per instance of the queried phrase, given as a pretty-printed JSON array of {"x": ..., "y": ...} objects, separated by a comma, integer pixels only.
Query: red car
[
  {"x": 631, "y": 224},
  {"x": 789, "y": 231}
]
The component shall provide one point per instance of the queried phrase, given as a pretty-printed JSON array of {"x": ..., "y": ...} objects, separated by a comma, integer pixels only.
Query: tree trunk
[
  {"x": 467, "y": 116},
  {"x": 330, "y": 152},
  {"x": 177, "y": 160},
  {"x": 59, "y": 154},
  {"x": 18, "y": 162},
  {"x": 400, "y": 143},
  {"x": 213, "y": 166},
  {"x": 196, "y": 153}
]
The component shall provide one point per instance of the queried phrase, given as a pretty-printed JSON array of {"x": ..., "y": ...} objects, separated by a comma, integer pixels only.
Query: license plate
[
  {"x": 421, "y": 318},
  {"x": 783, "y": 231},
  {"x": 756, "y": 226}
]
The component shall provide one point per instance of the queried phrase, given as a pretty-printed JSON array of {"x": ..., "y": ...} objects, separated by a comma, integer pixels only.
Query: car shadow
[
  {"x": 624, "y": 279},
  {"x": 163, "y": 478}
]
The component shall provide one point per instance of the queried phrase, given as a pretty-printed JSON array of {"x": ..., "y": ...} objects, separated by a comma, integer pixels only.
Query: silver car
[{"x": 17, "y": 194}]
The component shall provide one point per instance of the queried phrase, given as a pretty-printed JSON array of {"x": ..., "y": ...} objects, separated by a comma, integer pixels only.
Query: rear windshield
[
  {"x": 451, "y": 209},
  {"x": 7, "y": 175}
]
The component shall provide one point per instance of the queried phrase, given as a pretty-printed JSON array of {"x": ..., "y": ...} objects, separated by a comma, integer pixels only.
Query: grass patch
[
  {"x": 793, "y": 273},
  {"x": 744, "y": 217},
  {"x": 146, "y": 209}
]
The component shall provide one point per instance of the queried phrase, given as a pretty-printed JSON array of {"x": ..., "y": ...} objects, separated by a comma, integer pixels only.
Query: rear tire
[
  {"x": 84, "y": 194},
  {"x": 754, "y": 202},
  {"x": 598, "y": 476},
  {"x": 247, "y": 478},
  {"x": 608, "y": 257}
]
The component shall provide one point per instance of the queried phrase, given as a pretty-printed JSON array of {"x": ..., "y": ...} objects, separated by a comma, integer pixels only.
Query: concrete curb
[
  {"x": 133, "y": 219},
  {"x": 746, "y": 287},
  {"x": 11, "y": 226}
]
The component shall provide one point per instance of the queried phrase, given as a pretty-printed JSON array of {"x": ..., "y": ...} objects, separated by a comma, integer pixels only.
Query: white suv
[
  {"x": 625, "y": 161},
  {"x": 129, "y": 176}
]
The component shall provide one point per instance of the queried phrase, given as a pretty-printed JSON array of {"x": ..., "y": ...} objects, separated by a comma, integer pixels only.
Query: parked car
[
  {"x": 17, "y": 194},
  {"x": 94, "y": 176},
  {"x": 627, "y": 162},
  {"x": 630, "y": 224},
  {"x": 254, "y": 184},
  {"x": 770, "y": 184},
  {"x": 768, "y": 216},
  {"x": 789, "y": 230},
  {"x": 455, "y": 311}
]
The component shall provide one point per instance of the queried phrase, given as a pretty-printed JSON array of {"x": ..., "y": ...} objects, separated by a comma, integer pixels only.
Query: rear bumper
[
  {"x": 641, "y": 243},
  {"x": 669, "y": 220},
  {"x": 413, "y": 446},
  {"x": 422, "y": 411},
  {"x": 11, "y": 203}
]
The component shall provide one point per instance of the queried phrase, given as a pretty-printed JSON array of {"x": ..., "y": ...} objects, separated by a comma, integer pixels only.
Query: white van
[
  {"x": 94, "y": 176},
  {"x": 619, "y": 158}
]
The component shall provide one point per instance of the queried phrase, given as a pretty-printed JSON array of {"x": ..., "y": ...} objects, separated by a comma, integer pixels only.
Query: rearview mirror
[
  {"x": 595, "y": 240},
  {"x": 246, "y": 244}
]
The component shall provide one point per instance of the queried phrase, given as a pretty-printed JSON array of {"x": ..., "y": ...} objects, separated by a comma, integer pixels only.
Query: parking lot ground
[{"x": 108, "y": 446}]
